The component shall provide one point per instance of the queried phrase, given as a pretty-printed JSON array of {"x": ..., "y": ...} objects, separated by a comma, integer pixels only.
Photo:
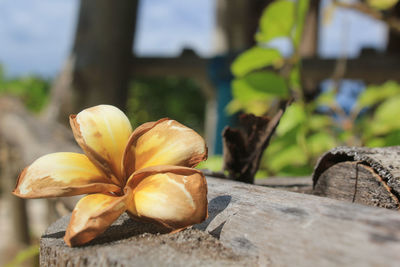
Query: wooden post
[{"x": 97, "y": 71}]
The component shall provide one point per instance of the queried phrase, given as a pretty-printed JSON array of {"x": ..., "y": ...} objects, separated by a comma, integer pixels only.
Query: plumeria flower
[{"x": 148, "y": 173}]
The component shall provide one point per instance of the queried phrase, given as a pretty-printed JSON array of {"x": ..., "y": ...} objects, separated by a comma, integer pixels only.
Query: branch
[{"x": 244, "y": 147}]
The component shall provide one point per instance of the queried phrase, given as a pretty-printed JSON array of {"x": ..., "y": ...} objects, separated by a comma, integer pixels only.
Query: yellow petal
[
  {"x": 62, "y": 174},
  {"x": 165, "y": 142},
  {"x": 92, "y": 216},
  {"x": 173, "y": 196},
  {"x": 103, "y": 132}
]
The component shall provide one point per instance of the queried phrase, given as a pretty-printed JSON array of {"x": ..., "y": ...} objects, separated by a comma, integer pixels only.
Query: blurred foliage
[
  {"x": 32, "y": 90},
  {"x": 263, "y": 77},
  {"x": 180, "y": 99},
  {"x": 213, "y": 163},
  {"x": 382, "y": 4},
  {"x": 24, "y": 255}
]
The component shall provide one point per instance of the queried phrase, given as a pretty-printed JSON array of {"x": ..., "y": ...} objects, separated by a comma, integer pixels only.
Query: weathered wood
[
  {"x": 369, "y": 176},
  {"x": 293, "y": 184},
  {"x": 252, "y": 223},
  {"x": 355, "y": 182},
  {"x": 130, "y": 243}
]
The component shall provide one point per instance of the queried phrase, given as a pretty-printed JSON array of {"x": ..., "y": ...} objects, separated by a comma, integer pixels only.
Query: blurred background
[{"x": 199, "y": 62}]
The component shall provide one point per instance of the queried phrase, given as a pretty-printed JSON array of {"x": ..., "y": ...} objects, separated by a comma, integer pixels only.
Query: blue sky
[
  {"x": 348, "y": 31},
  {"x": 167, "y": 26},
  {"x": 36, "y": 35}
]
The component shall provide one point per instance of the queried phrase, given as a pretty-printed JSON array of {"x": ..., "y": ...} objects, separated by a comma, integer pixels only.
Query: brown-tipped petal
[
  {"x": 62, "y": 174},
  {"x": 92, "y": 216},
  {"x": 166, "y": 142},
  {"x": 103, "y": 132},
  {"x": 173, "y": 196},
  {"x": 128, "y": 161}
]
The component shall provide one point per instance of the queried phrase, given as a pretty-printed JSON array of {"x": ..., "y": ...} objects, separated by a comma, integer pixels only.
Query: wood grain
[
  {"x": 355, "y": 182},
  {"x": 369, "y": 176},
  {"x": 258, "y": 225}
]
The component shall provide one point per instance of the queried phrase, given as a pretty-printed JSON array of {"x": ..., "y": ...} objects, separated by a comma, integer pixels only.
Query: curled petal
[
  {"x": 165, "y": 142},
  {"x": 173, "y": 196},
  {"x": 103, "y": 132},
  {"x": 62, "y": 174},
  {"x": 92, "y": 216},
  {"x": 129, "y": 153}
]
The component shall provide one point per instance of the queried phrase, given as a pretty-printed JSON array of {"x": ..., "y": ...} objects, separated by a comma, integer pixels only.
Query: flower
[{"x": 148, "y": 173}]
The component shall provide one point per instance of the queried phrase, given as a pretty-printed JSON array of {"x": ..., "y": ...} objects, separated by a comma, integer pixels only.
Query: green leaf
[
  {"x": 213, "y": 163},
  {"x": 253, "y": 92},
  {"x": 255, "y": 58},
  {"x": 376, "y": 142},
  {"x": 294, "y": 115},
  {"x": 301, "y": 12},
  {"x": 243, "y": 90},
  {"x": 279, "y": 142},
  {"x": 257, "y": 107},
  {"x": 375, "y": 94},
  {"x": 291, "y": 170},
  {"x": 320, "y": 142},
  {"x": 291, "y": 155},
  {"x": 384, "y": 120},
  {"x": 265, "y": 82},
  {"x": 326, "y": 98},
  {"x": 317, "y": 122},
  {"x": 276, "y": 21},
  {"x": 261, "y": 174},
  {"x": 382, "y": 4},
  {"x": 391, "y": 139},
  {"x": 295, "y": 78}
]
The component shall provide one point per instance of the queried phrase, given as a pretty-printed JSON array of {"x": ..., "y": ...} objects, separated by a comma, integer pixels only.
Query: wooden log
[
  {"x": 369, "y": 176},
  {"x": 247, "y": 225},
  {"x": 293, "y": 184}
]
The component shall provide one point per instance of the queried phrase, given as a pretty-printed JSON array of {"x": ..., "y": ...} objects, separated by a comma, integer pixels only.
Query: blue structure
[{"x": 221, "y": 76}]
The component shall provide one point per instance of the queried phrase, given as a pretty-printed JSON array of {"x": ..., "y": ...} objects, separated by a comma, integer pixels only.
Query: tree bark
[
  {"x": 98, "y": 68},
  {"x": 248, "y": 225},
  {"x": 244, "y": 147},
  {"x": 369, "y": 176},
  {"x": 394, "y": 36}
]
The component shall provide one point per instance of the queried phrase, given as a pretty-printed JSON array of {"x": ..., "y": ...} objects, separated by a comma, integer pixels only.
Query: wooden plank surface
[
  {"x": 293, "y": 184},
  {"x": 257, "y": 226},
  {"x": 284, "y": 228}
]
